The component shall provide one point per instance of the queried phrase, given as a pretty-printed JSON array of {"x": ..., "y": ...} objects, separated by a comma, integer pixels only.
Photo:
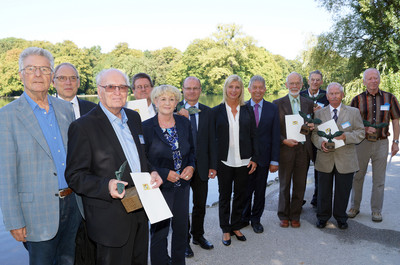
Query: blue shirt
[
  {"x": 125, "y": 138},
  {"x": 51, "y": 132}
]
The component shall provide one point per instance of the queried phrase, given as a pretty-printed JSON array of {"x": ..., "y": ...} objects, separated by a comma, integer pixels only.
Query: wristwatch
[{"x": 396, "y": 141}]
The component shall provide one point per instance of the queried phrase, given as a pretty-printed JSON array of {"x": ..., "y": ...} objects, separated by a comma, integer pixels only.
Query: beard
[{"x": 294, "y": 94}]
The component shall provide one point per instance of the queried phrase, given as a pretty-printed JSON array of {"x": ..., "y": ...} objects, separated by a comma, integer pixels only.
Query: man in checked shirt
[{"x": 376, "y": 107}]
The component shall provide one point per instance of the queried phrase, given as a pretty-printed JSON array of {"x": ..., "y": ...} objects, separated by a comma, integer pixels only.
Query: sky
[{"x": 280, "y": 26}]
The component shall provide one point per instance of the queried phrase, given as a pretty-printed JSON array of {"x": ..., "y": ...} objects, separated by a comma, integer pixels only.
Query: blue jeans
[{"x": 59, "y": 250}]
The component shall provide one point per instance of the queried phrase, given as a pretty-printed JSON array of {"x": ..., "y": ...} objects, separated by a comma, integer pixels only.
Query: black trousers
[
  {"x": 200, "y": 191},
  {"x": 257, "y": 185},
  {"x": 343, "y": 184},
  {"x": 238, "y": 176}
]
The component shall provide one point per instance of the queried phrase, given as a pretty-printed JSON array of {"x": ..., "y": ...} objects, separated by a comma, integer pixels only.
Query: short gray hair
[
  {"x": 371, "y": 69},
  {"x": 100, "y": 75},
  {"x": 294, "y": 73},
  {"x": 228, "y": 81},
  {"x": 35, "y": 51},
  {"x": 317, "y": 72},
  {"x": 256, "y": 78},
  {"x": 165, "y": 89},
  {"x": 65, "y": 64},
  {"x": 334, "y": 84}
]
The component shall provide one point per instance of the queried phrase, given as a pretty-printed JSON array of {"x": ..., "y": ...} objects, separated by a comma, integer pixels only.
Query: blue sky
[{"x": 281, "y": 26}]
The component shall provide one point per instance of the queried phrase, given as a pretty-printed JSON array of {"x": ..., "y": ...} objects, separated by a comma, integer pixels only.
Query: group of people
[{"x": 58, "y": 188}]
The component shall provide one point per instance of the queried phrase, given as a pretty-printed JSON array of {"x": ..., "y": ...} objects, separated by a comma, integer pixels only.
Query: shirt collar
[
  {"x": 74, "y": 100},
  {"x": 291, "y": 98},
  {"x": 332, "y": 108},
  {"x": 252, "y": 103},
  {"x": 111, "y": 117},
  {"x": 316, "y": 94},
  {"x": 32, "y": 103},
  {"x": 379, "y": 92},
  {"x": 187, "y": 105}
]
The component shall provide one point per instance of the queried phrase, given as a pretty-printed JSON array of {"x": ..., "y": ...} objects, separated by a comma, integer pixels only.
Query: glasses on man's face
[
  {"x": 72, "y": 78},
  {"x": 145, "y": 87},
  {"x": 32, "y": 69},
  {"x": 112, "y": 88}
]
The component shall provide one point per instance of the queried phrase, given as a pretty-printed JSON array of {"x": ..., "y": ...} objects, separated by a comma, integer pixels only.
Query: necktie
[
  {"x": 256, "y": 114},
  {"x": 295, "y": 106},
  {"x": 335, "y": 117},
  {"x": 194, "y": 126}
]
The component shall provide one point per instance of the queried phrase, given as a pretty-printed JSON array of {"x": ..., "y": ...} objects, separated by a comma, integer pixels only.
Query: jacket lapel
[
  {"x": 62, "y": 119},
  {"x": 158, "y": 130}
]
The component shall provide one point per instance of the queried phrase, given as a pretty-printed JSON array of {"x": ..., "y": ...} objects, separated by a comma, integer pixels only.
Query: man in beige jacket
[{"x": 342, "y": 162}]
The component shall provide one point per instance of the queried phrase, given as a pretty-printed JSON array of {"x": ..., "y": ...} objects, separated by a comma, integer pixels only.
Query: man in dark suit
[
  {"x": 315, "y": 81},
  {"x": 268, "y": 135},
  {"x": 294, "y": 156},
  {"x": 99, "y": 143},
  {"x": 66, "y": 81},
  {"x": 205, "y": 159}
]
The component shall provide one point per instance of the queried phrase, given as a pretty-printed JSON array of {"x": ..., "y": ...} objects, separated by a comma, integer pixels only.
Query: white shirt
[
  {"x": 151, "y": 111},
  {"x": 316, "y": 94},
  {"x": 338, "y": 110},
  {"x": 75, "y": 106},
  {"x": 233, "y": 159}
]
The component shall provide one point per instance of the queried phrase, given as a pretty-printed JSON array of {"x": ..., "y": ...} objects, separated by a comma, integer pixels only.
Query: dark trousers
[
  {"x": 61, "y": 248},
  {"x": 315, "y": 195},
  {"x": 177, "y": 199},
  {"x": 343, "y": 183},
  {"x": 257, "y": 186},
  {"x": 135, "y": 250},
  {"x": 239, "y": 176},
  {"x": 200, "y": 191},
  {"x": 293, "y": 168}
]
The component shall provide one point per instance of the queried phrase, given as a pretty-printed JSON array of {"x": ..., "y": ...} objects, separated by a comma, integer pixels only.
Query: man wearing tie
[
  {"x": 268, "y": 134},
  {"x": 342, "y": 162},
  {"x": 203, "y": 137}
]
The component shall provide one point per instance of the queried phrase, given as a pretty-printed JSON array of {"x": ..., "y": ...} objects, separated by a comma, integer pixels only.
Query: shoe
[
  {"x": 304, "y": 202},
  {"x": 240, "y": 238},
  {"x": 314, "y": 203},
  {"x": 377, "y": 217},
  {"x": 284, "y": 223},
  {"x": 342, "y": 225},
  {"x": 189, "y": 252},
  {"x": 295, "y": 224},
  {"x": 352, "y": 213},
  {"x": 203, "y": 243},
  {"x": 321, "y": 224},
  {"x": 257, "y": 228},
  {"x": 226, "y": 242},
  {"x": 169, "y": 262}
]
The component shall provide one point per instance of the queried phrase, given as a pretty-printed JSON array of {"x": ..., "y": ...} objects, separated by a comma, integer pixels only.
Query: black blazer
[
  {"x": 322, "y": 100},
  {"x": 247, "y": 132},
  {"x": 159, "y": 151},
  {"x": 85, "y": 106},
  {"x": 268, "y": 134},
  {"x": 94, "y": 154}
]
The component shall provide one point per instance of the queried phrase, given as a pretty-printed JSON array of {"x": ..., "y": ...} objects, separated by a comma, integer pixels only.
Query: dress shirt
[
  {"x": 311, "y": 95},
  {"x": 333, "y": 113},
  {"x": 75, "y": 106},
  {"x": 151, "y": 111},
  {"x": 125, "y": 138},
  {"x": 233, "y": 159},
  {"x": 187, "y": 106},
  {"x": 292, "y": 103},
  {"x": 48, "y": 123}
]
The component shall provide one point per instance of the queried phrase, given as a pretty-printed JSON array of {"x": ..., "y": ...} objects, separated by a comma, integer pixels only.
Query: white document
[
  {"x": 331, "y": 125},
  {"x": 293, "y": 127},
  {"x": 139, "y": 105},
  {"x": 152, "y": 200}
]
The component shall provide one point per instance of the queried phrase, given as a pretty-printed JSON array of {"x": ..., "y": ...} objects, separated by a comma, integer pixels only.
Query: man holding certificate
[{"x": 342, "y": 162}]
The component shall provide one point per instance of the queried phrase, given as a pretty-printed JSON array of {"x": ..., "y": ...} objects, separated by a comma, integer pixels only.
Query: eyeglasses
[
  {"x": 112, "y": 88},
  {"x": 142, "y": 87},
  {"x": 62, "y": 78},
  {"x": 32, "y": 69}
]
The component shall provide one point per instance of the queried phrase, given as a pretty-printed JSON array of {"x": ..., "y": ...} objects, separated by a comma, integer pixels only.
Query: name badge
[
  {"x": 385, "y": 107},
  {"x": 141, "y": 139},
  {"x": 320, "y": 104},
  {"x": 345, "y": 125}
]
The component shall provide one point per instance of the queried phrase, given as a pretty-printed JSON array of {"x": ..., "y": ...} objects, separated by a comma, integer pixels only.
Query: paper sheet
[
  {"x": 139, "y": 105},
  {"x": 331, "y": 124},
  {"x": 152, "y": 200},
  {"x": 293, "y": 127}
]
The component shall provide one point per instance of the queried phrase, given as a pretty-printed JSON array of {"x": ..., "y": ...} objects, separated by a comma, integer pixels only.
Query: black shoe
[
  {"x": 240, "y": 238},
  {"x": 304, "y": 202},
  {"x": 314, "y": 203},
  {"x": 321, "y": 224},
  {"x": 257, "y": 228},
  {"x": 189, "y": 252},
  {"x": 342, "y": 225},
  {"x": 203, "y": 243},
  {"x": 169, "y": 260},
  {"x": 226, "y": 242}
]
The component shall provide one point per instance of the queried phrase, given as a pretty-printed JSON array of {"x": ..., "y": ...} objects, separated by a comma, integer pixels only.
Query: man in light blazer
[
  {"x": 342, "y": 162},
  {"x": 38, "y": 207},
  {"x": 268, "y": 135},
  {"x": 294, "y": 156}
]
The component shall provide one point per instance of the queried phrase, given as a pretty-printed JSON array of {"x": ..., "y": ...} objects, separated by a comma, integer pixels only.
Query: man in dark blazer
[
  {"x": 99, "y": 143},
  {"x": 204, "y": 138},
  {"x": 294, "y": 156},
  {"x": 268, "y": 135},
  {"x": 315, "y": 81}
]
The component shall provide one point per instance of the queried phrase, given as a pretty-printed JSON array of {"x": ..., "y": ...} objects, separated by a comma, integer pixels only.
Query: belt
[{"x": 64, "y": 193}]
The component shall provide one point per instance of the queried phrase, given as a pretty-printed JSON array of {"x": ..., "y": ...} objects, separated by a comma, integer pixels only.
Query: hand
[
  {"x": 19, "y": 234},
  {"x": 184, "y": 112},
  {"x": 155, "y": 179},
  {"x": 311, "y": 126},
  {"x": 323, "y": 147},
  {"x": 212, "y": 173},
  {"x": 173, "y": 176},
  {"x": 112, "y": 188},
  {"x": 395, "y": 149},
  {"x": 187, "y": 173},
  {"x": 341, "y": 137},
  {"x": 370, "y": 130},
  {"x": 273, "y": 168},
  {"x": 253, "y": 166},
  {"x": 290, "y": 142},
  {"x": 317, "y": 108}
]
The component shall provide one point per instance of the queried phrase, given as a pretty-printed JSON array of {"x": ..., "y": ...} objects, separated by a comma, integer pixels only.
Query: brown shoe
[
  {"x": 284, "y": 223},
  {"x": 295, "y": 224}
]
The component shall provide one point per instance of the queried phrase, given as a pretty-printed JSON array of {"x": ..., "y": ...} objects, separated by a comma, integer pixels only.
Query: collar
[
  {"x": 369, "y": 94},
  {"x": 187, "y": 105},
  {"x": 291, "y": 97},
  {"x": 111, "y": 117},
  {"x": 32, "y": 103},
  {"x": 312, "y": 95},
  {"x": 252, "y": 103},
  {"x": 332, "y": 108}
]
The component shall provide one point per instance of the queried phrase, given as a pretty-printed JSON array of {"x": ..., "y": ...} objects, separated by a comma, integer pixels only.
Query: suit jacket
[
  {"x": 247, "y": 132},
  {"x": 94, "y": 155},
  {"x": 268, "y": 134},
  {"x": 285, "y": 108},
  {"x": 85, "y": 106},
  {"x": 322, "y": 100},
  {"x": 159, "y": 151},
  {"x": 345, "y": 157},
  {"x": 28, "y": 176}
]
